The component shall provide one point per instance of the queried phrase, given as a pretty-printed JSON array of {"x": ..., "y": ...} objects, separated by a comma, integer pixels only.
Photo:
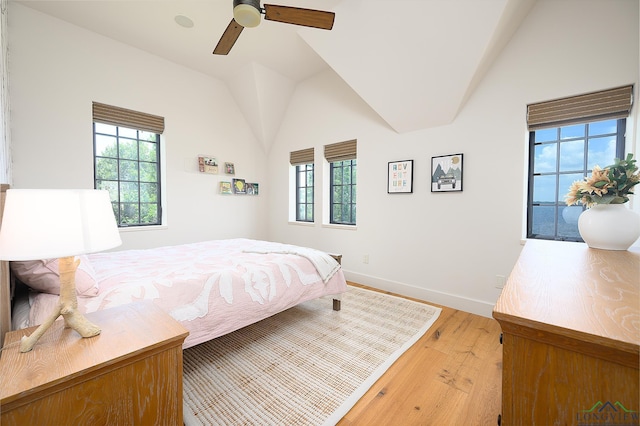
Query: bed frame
[{"x": 5, "y": 284}]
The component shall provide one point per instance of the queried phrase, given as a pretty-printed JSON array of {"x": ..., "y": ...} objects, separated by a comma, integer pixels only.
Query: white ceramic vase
[{"x": 609, "y": 226}]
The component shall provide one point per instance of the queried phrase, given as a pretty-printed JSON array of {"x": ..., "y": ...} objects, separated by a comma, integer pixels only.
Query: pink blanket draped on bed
[{"x": 213, "y": 287}]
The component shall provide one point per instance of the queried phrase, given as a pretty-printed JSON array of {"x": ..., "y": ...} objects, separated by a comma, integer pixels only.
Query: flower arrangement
[{"x": 611, "y": 185}]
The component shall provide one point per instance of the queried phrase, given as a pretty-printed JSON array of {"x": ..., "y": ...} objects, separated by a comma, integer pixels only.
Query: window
[
  {"x": 567, "y": 138},
  {"x": 304, "y": 193},
  {"x": 343, "y": 179},
  {"x": 304, "y": 183},
  {"x": 343, "y": 192},
  {"x": 560, "y": 156},
  {"x": 127, "y": 164}
]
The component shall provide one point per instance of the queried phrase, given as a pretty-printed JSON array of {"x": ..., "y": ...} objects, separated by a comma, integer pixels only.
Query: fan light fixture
[{"x": 246, "y": 12}]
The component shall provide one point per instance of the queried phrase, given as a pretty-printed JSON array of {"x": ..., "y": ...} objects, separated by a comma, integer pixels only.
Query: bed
[{"x": 211, "y": 287}]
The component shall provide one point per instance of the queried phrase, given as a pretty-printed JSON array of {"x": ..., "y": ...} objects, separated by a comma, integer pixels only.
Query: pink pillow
[{"x": 43, "y": 276}]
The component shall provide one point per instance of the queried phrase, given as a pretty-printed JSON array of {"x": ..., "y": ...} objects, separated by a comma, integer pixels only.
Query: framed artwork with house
[{"x": 446, "y": 173}]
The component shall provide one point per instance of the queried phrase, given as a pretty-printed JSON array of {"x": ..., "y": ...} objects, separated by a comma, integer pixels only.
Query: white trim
[
  {"x": 300, "y": 223},
  {"x": 338, "y": 226},
  {"x": 292, "y": 194},
  {"x": 143, "y": 228},
  {"x": 478, "y": 307}
]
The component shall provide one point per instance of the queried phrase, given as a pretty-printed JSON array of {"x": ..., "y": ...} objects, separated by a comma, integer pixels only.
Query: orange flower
[{"x": 611, "y": 185}]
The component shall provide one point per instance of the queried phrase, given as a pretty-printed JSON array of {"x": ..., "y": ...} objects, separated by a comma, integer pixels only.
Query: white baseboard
[{"x": 466, "y": 304}]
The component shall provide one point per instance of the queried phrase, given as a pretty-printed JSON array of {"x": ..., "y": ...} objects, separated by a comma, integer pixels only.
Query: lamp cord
[{"x": 9, "y": 346}]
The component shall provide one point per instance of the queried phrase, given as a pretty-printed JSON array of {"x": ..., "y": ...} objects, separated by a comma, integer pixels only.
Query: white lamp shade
[{"x": 53, "y": 223}]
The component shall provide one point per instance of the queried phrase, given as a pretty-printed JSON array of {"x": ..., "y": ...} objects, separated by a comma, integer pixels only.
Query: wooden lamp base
[{"x": 67, "y": 307}]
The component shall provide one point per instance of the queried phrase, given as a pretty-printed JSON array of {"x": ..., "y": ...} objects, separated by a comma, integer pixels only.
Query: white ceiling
[{"x": 415, "y": 62}]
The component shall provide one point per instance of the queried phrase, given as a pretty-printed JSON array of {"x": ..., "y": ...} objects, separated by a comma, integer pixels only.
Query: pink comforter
[{"x": 212, "y": 287}]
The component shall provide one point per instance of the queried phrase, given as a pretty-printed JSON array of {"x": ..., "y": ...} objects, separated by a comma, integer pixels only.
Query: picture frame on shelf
[
  {"x": 225, "y": 187},
  {"x": 252, "y": 188},
  {"x": 400, "y": 177},
  {"x": 208, "y": 164},
  {"x": 446, "y": 173},
  {"x": 239, "y": 186}
]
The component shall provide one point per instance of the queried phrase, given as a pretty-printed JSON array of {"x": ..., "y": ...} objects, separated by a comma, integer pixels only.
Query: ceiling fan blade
[
  {"x": 295, "y": 15},
  {"x": 228, "y": 38}
]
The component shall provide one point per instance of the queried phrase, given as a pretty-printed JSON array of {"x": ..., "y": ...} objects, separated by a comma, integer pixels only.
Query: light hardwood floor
[{"x": 451, "y": 376}]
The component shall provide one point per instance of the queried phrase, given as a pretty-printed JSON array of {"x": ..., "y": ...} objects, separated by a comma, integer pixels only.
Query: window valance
[
  {"x": 117, "y": 116},
  {"x": 341, "y": 151},
  {"x": 603, "y": 105},
  {"x": 303, "y": 156}
]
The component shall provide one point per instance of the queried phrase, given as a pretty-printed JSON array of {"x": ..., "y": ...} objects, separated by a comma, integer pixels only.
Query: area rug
[{"x": 305, "y": 366}]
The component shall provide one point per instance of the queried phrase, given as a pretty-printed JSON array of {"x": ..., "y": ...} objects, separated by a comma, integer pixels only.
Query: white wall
[
  {"x": 444, "y": 247},
  {"x": 57, "y": 70},
  {"x": 449, "y": 247}
]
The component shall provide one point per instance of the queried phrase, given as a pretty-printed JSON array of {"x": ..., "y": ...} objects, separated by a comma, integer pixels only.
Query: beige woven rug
[{"x": 305, "y": 366}]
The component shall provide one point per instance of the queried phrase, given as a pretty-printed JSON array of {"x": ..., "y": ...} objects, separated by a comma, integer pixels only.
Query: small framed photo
[
  {"x": 239, "y": 186},
  {"x": 252, "y": 188},
  {"x": 225, "y": 188},
  {"x": 446, "y": 173},
  {"x": 207, "y": 164},
  {"x": 229, "y": 168},
  {"x": 400, "y": 177}
]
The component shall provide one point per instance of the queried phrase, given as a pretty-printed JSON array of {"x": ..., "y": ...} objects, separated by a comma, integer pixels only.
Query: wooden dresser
[
  {"x": 570, "y": 317},
  {"x": 130, "y": 374}
]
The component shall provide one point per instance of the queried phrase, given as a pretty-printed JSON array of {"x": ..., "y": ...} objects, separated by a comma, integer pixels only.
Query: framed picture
[
  {"x": 400, "y": 177},
  {"x": 229, "y": 168},
  {"x": 208, "y": 164},
  {"x": 225, "y": 188},
  {"x": 446, "y": 173},
  {"x": 252, "y": 189},
  {"x": 239, "y": 186}
]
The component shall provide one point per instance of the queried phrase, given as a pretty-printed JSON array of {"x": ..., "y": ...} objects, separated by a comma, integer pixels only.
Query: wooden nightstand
[{"x": 129, "y": 374}]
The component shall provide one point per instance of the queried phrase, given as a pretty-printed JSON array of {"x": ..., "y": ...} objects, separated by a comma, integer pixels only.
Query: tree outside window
[
  {"x": 304, "y": 192},
  {"x": 343, "y": 192},
  {"x": 127, "y": 164}
]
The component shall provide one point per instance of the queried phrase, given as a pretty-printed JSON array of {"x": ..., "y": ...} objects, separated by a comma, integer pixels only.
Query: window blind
[
  {"x": 603, "y": 105},
  {"x": 117, "y": 116},
  {"x": 303, "y": 156},
  {"x": 341, "y": 151}
]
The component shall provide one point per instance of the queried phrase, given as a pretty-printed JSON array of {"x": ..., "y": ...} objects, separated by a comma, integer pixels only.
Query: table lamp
[{"x": 58, "y": 223}]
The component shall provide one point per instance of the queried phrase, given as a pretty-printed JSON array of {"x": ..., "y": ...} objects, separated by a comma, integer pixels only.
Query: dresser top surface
[
  {"x": 61, "y": 354},
  {"x": 575, "y": 290}
]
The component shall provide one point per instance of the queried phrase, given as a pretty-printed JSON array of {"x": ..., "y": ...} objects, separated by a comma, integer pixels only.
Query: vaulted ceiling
[{"x": 414, "y": 62}]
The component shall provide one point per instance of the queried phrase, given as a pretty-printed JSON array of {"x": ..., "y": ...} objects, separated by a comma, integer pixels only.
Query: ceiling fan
[{"x": 246, "y": 13}]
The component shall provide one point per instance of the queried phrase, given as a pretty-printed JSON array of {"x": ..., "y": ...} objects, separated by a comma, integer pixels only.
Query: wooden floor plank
[
  {"x": 401, "y": 390},
  {"x": 451, "y": 376}
]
